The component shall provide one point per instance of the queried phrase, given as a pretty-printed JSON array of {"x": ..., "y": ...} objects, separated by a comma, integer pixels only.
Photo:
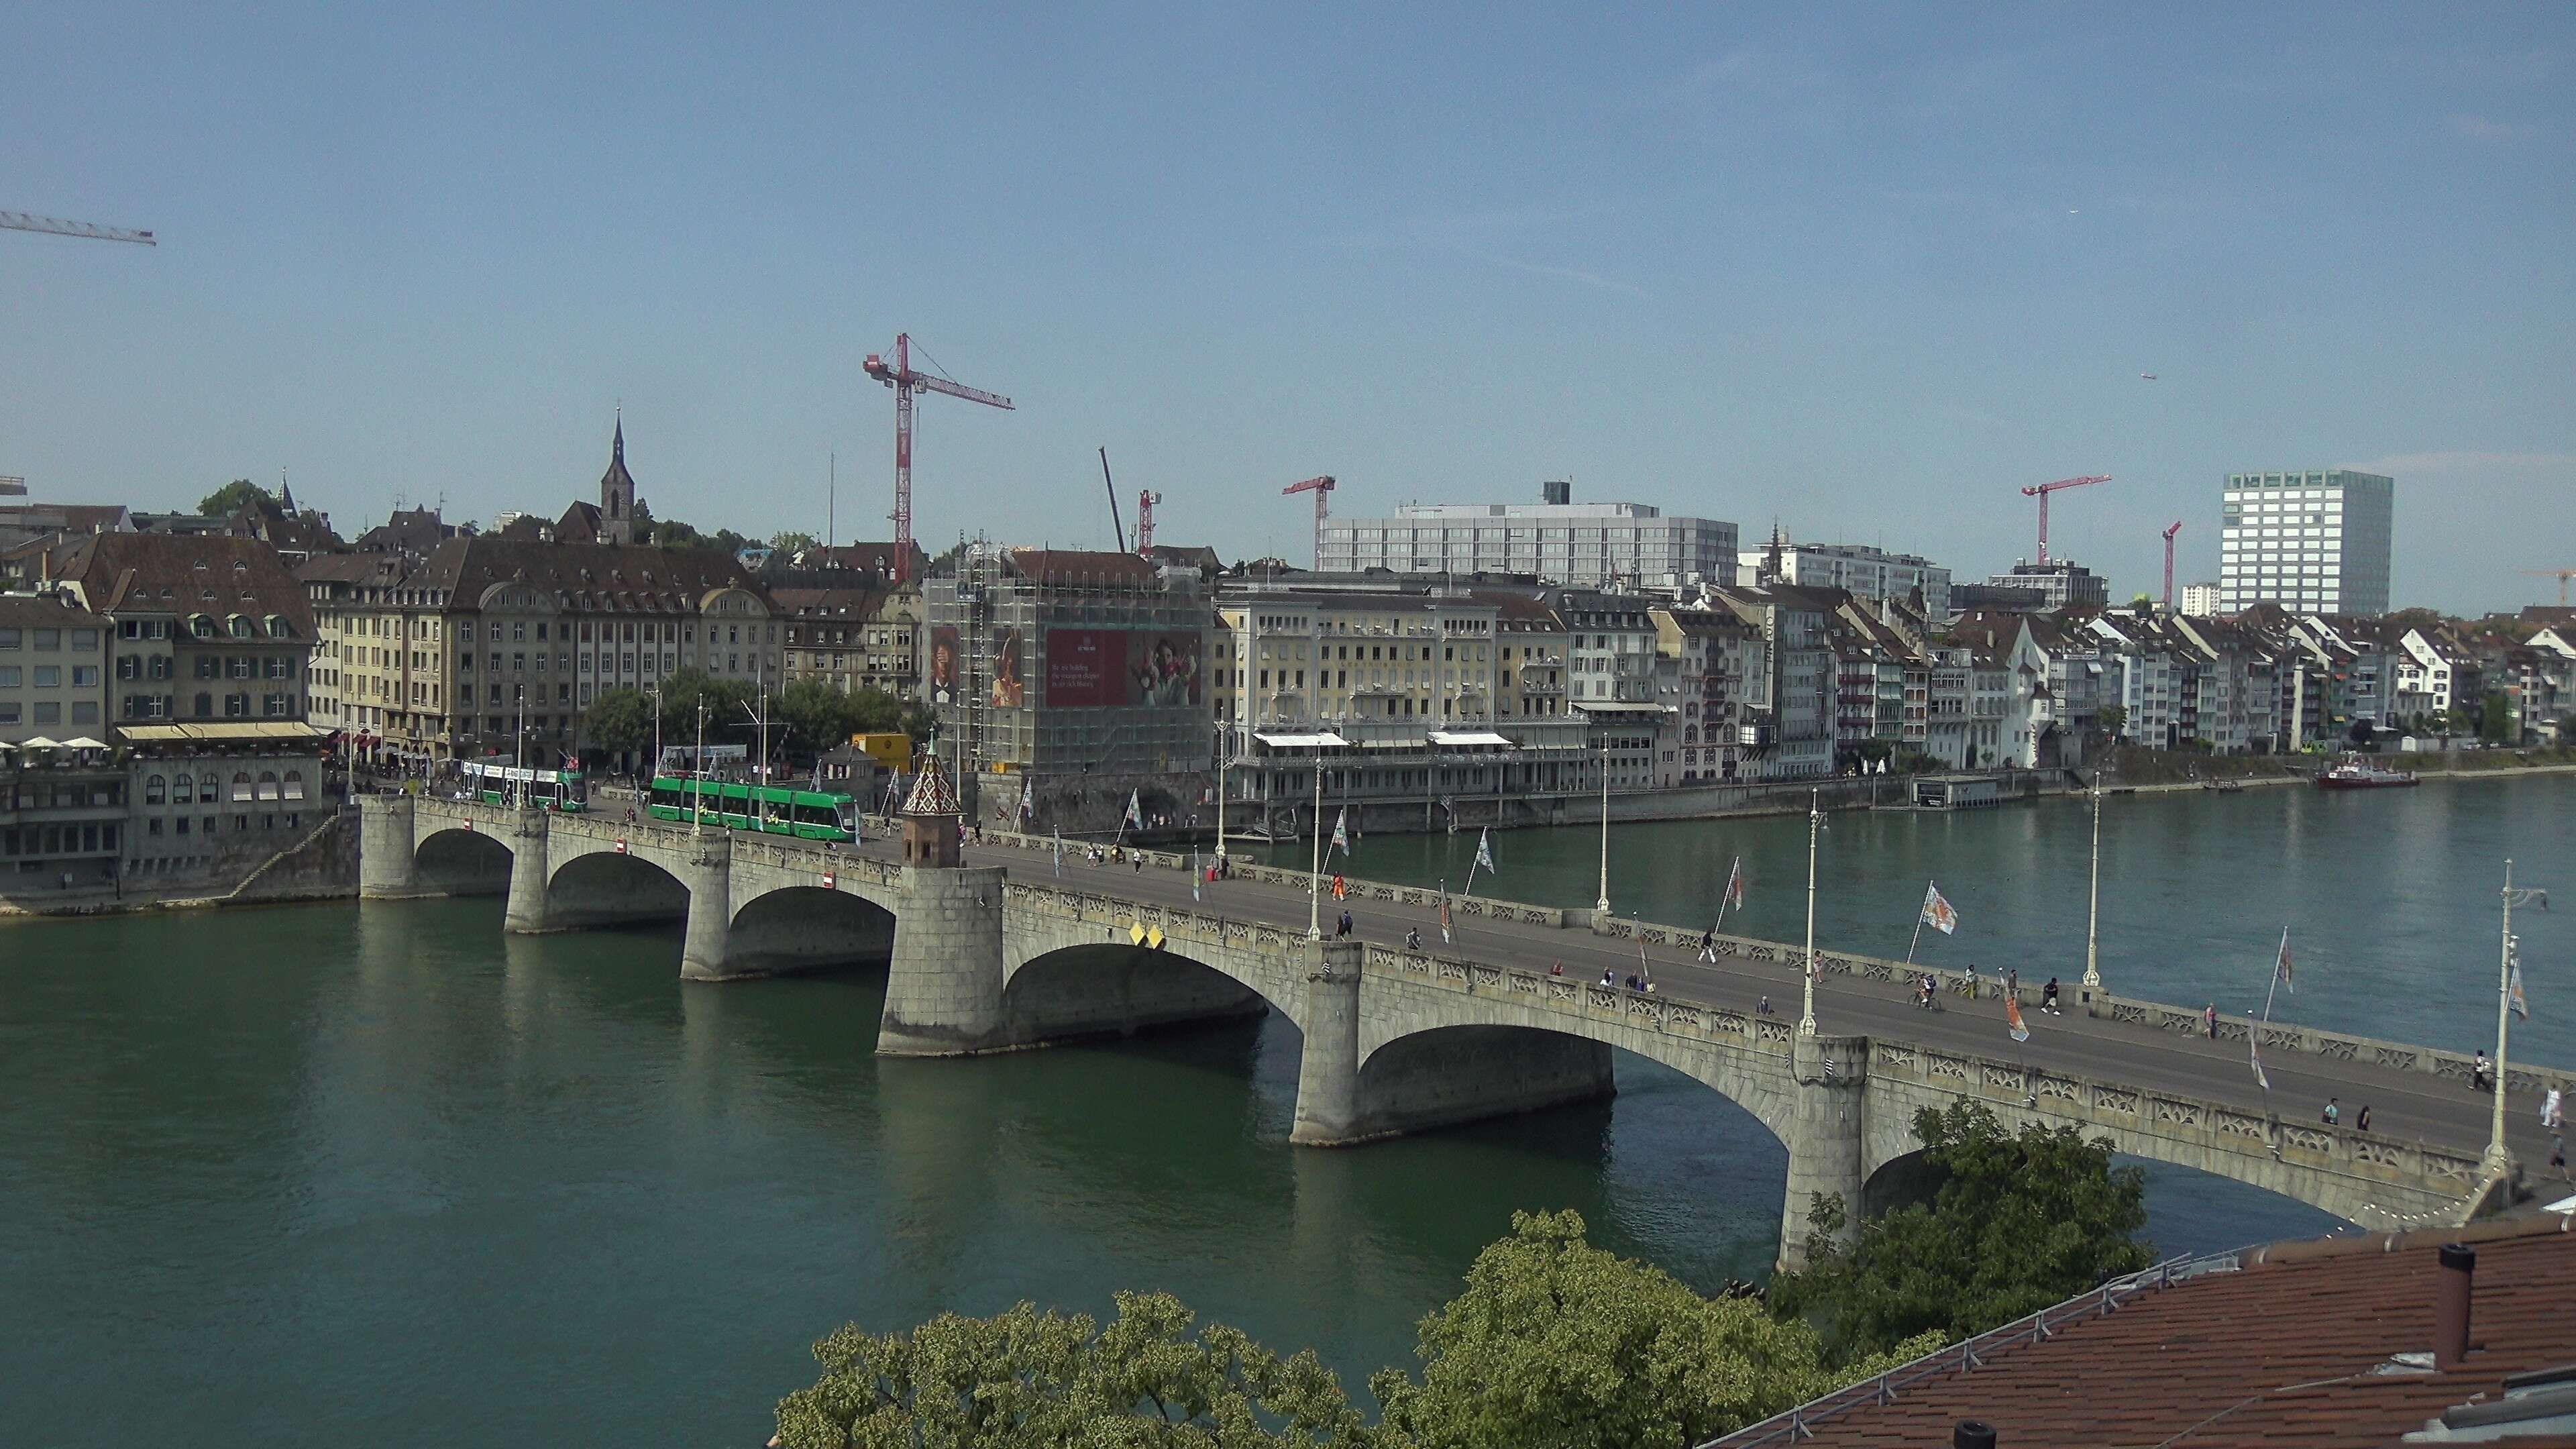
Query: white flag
[
  {"x": 1135, "y": 813},
  {"x": 1938, "y": 913},
  {"x": 1485, "y": 850}
]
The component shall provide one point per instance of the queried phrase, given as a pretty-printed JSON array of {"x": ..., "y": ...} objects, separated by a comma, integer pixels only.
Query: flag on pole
[
  {"x": 1059, "y": 851},
  {"x": 1194, "y": 872},
  {"x": 1342, "y": 831},
  {"x": 1135, "y": 812},
  {"x": 2284, "y": 967},
  {"x": 1444, "y": 913},
  {"x": 1938, "y": 913},
  {"x": 1735, "y": 885},
  {"x": 2513, "y": 993},
  {"x": 2012, "y": 1020},
  {"x": 2254, "y": 1040},
  {"x": 1485, "y": 850}
]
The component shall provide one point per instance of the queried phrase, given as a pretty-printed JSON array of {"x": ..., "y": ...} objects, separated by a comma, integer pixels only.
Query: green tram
[
  {"x": 519, "y": 784},
  {"x": 767, "y": 809}
]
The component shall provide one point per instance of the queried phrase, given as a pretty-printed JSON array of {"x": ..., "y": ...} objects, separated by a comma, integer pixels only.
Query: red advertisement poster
[{"x": 1086, "y": 668}]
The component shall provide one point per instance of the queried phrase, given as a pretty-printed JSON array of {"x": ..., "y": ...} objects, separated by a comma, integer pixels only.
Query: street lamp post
[
  {"x": 2093, "y": 919},
  {"x": 698, "y": 775},
  {"x": 2495, "y": 1155},
  {"x": 1601, "y": 907},
  {"x": 1225, "y": 741},
  {"x": 653, "y": 692},
  {"x": 1315, "y": 872},
  {"x": 1815, "y": 826}
]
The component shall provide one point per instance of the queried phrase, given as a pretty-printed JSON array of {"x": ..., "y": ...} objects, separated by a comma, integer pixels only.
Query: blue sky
[{"x": 1865, "y": 270}]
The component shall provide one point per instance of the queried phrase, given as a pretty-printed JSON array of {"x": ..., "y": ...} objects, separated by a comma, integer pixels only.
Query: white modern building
[
  {"x": 1854, "y": 568},
  {"x": 2314, "y": 543},
  {"x": 1585, "y": 545},
  {"x": 2200, "y": 601}
]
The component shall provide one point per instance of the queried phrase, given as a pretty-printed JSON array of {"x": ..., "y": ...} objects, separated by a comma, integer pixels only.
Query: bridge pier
[
  {"x": 944, "y": 982},
  {"x": 388, "y": 858},
  {"x": 706, "y": 951},
  {"x": 1829, "y": 1082},
  {"x": 1328, "y": 1067},
  {"x": 528, "y": 874}
]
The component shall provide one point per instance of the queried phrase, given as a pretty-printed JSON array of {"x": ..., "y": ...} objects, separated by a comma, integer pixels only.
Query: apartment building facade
[
  {"x": 2314, "y": 541},
  {"x": 1585, "y": 545}
]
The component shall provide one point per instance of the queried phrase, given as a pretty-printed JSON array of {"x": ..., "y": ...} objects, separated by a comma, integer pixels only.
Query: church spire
[{"x": 617, "y": 444}]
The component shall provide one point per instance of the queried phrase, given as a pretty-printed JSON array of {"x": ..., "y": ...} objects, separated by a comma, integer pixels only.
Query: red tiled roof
[{"x": 2280, "y": 1353}]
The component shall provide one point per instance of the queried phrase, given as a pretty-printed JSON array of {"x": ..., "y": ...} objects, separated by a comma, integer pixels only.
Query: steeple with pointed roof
[{"x": 617, "y": 491}]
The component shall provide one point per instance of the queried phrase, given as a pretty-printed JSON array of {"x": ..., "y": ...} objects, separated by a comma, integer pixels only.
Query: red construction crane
[
  {"x": 1322, "y": 488},
  {"x": 1145, "y": 501},
  {"x": 2561, "y": 575},
  {"x": 2042, "y": 490},
  {"x": 905, "y": 383},
  {"x": 2169, "y": 538}
]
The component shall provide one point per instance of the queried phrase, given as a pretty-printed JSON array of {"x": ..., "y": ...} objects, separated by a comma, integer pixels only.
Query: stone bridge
[{"x": 1394, "y": 1040}]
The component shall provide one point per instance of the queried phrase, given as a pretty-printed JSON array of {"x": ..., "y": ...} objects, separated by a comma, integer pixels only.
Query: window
[
  {"x": 11, "y": 638},
  {"x": 268, "y": 784},
  {"x": 84, "y": 676},
  {"x": 295, "y": 784},
  {"x": 205, "y": 705},
  {"x": 49, "y": 676},
  {"x": 241, "y": 785},
  {"x": 9, "y": 676},
  {"x": 49, "y": 639}
]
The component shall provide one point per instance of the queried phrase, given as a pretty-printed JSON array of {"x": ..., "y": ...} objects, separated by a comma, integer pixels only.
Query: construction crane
[
  {"x": 1145, "y": 501},
  {"x": 54, "y": 226},
  {"x": 2561, "y": 575},
  {"x": 905, "y": 383},
  {"x": 2169, "y": 538},
  {"x": 2041, "y": 491},
  {"x": 1117, "y": 530},
  {"x": 1322, "y": 488}
]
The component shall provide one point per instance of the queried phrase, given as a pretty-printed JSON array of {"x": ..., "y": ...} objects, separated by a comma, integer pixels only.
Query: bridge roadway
[
  {"x": 2412, "y": 1106},
  {"x": 1001, "y": 951}
]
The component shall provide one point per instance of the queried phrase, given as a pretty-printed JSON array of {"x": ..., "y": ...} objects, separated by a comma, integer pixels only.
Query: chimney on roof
[
  {"x": 1972, "y": 1434},
  {"x": 1556, "y": 490},
  {"x": 2451, "y": 1305}
]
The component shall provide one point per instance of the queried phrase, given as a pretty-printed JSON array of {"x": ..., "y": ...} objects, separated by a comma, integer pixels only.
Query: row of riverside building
[{"x": 1068, "y": 683}]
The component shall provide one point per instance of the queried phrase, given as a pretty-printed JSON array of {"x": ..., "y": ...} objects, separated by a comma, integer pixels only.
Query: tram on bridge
[
  {"x": 561, "y": 790},
  {"x": 760, "y": 809}
]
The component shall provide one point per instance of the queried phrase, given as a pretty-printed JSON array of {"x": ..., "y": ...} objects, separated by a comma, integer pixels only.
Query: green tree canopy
[
  {"x": 1041, "y": 1380},
  {"x": 1562, "y": 1344},
  {"x": 2113, "y": 717},
  {"x": 790, "y": 540},
  {"x": 2020, "y": 1221},
  {"x": 619, "y": 721},
  {"x": 2495, "y": 719},
  {"x": 230, "y": 499}
]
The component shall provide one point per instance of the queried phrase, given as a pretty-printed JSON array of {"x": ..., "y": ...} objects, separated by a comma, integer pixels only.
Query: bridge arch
[
  {"x": 1115, "y": 987},
  {"x": 1483, "y": 1045},
  {"x": 807, "y": 927},
  {"x": 605, "y": 888},
  {"x": 462, "y": 863}
]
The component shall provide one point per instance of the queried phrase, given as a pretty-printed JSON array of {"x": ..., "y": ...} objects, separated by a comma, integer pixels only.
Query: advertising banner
[
  {"x": 1085, "y": 668},
  {"x": 1010, "y": 689},
  {"x": 1102, "y": 668},
  {"x": 944, "y": 665}
]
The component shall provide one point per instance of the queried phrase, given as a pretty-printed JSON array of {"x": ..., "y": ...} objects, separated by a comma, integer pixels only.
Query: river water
[{"x": 329, "y": 1174}]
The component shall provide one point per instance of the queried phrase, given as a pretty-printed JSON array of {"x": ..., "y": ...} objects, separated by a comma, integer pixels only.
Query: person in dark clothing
[
  {"x": 2361, "y": 1119},
  {"x": 2048, "y": 997}
]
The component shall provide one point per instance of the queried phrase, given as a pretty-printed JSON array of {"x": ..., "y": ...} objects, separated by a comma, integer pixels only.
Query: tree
[
  {"x": 2495, "y": 719},
  {"x": 1026, "y": 1378},
  {"x": 789, "y": 540},
  {"x": 230, "y": 499},
  {"x": 2019, "y": 1221},
  {"x": 1556, "y": 1342},
  {"x": 818, "y": 717},
  {"x": 2114, "y": 718},
  {"x": 619, "y": 722}
]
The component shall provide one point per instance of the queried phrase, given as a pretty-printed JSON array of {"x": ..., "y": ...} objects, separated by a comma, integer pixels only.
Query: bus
[
  {"x": 766, "y": 809},
  {"x": 519, "y": 784}
]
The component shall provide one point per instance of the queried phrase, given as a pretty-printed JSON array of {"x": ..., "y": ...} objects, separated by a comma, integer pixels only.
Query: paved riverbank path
[{"x": 1008, "y": 948}]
